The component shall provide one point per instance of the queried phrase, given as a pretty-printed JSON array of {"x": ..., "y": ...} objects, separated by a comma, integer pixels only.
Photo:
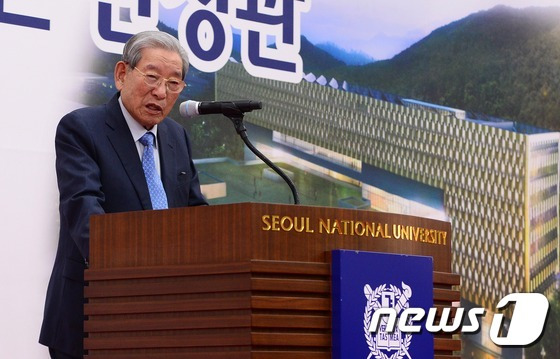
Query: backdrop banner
[{"x": 433, "y": 108}]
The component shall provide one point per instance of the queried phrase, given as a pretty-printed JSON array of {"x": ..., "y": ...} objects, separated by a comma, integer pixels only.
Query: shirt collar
[{"x": 136, "y": 129}]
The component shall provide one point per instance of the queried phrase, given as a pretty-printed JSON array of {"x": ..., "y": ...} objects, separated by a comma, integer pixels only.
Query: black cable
[{"x": 237, "y": 120}]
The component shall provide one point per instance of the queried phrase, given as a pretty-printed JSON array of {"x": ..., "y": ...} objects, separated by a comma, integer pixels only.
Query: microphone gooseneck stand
[{"x": 236, "y": 116}]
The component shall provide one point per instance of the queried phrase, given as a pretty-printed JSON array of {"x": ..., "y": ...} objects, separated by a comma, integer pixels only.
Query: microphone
[
  {"x": 235, "y": 110},
  {"x": 191, "y": 108}
]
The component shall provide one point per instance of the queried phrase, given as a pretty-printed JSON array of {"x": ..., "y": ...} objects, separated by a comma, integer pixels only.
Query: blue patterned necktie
[{"x": 155, "y": 186}]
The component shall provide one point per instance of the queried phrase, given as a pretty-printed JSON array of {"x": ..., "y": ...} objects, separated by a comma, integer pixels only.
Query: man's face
[{"x": 149, "y": 105}]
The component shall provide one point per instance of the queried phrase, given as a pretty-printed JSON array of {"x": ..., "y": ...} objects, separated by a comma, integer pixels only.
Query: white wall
[{"x": 37, "y": 69}]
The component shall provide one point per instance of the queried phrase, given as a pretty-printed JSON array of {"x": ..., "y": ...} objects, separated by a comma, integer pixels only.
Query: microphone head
[{"x": 189, "y": 109}]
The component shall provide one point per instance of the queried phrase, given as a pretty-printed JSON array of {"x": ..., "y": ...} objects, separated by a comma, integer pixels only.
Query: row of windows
[
  {"x": 296, "y": 96},
  {"x": 542, "y": 234},
  {"x": 548, "y": 274},
  {"x": 545, "y": 283},
  {"x": 506, "y": 259},
  {"x": 543, "y": 159},
  {"x": 289, "y": 119},
  {"x": 488, "y": 287},
  {"x": 454, "y": 150},
  {"x": 543, "y": 257},
  {"x": 492, "y": 234}
]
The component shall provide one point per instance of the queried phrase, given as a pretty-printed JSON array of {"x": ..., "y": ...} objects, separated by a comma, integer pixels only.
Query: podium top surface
[{"x": 259, "y": 231}]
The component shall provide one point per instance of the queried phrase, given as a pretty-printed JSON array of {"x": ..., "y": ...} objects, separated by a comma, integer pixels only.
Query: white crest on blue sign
[{"x": 386, "y": 345}]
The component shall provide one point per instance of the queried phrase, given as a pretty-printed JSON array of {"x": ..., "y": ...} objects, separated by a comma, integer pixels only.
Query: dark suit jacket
[{"x": 99, "y": 171}]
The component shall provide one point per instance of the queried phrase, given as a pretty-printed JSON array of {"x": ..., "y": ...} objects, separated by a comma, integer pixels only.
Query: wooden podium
[{"x": 238, "y": 281}]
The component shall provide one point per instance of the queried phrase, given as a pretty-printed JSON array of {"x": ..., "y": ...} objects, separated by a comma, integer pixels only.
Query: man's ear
[{"x": 120, "y": 72}]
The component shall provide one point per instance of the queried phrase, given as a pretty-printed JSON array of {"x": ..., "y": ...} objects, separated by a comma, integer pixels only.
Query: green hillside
[
  {"x": 502, "y": 62},
  {"x": 317, "y": 60}
]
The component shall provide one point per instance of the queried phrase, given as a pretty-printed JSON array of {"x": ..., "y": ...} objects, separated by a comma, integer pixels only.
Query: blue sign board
[{"x": 362, "y": 283}]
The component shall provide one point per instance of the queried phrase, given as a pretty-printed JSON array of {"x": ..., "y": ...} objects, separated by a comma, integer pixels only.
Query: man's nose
[{"x": 160, "y": 90}]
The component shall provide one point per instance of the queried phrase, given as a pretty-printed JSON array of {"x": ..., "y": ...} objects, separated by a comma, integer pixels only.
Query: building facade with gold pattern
[{"x": 500, "y": 185}]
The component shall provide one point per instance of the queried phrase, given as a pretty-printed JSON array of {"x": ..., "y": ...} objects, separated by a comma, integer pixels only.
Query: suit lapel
[
  {"x": 167, "y": 161},
  {"x": 120, "y": 137}
]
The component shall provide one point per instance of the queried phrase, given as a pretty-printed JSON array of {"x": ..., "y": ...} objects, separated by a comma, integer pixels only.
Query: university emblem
[{"x": 385, "y": 345}]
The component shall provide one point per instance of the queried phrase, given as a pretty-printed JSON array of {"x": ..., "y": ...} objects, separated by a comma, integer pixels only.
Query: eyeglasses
[{"x": 154, "y": 80}]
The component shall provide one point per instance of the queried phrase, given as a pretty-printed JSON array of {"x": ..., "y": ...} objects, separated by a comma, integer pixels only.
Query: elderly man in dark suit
[{"x": 125, "y": 155}]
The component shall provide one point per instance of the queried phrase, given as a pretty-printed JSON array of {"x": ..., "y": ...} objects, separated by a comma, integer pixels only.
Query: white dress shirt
[{"x": 137, "y": 131}]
